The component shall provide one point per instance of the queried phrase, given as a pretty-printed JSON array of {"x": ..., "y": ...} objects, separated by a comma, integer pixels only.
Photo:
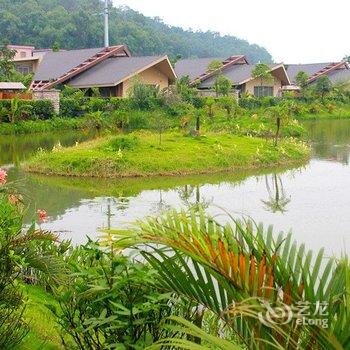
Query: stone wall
[{"x": 52, "y": 95}]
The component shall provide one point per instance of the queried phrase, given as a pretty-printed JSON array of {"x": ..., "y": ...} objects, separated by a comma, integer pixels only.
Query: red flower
[
  {"x": 3, "y": 177},
  {"x": 42, "y": 215}
]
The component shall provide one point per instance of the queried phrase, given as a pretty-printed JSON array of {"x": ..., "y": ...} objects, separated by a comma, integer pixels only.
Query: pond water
[{"x": 313, "y": 201}]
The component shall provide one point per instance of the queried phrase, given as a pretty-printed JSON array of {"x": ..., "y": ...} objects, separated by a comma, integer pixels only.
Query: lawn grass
[
  {"x": 43, "y": 330},
  {"x": 141, "y": 154}
]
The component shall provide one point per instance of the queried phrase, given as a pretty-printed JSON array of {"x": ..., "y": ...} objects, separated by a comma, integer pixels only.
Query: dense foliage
[
  {"x": 23, "y": 257},
  {"x": 16, "y": 110},
  {"x": 77, "y": 24},
  {"x": 112, "y": 301},
  {"x": 259, "y": 285}
]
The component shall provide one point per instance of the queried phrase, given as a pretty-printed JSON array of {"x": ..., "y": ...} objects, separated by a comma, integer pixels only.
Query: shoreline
[{"x": 232, "y": 170}]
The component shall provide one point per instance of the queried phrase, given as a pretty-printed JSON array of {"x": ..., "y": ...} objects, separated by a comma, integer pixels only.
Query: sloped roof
[
  {"x": 114, "y": 70},
  {"x": 194, "y": 67},
  {"x": 237, "y": 74},
  {"x": 198, "y": 68},
  {"x": 12, "y": 86},
  {"x": 56, "y": 64},
  {"x": 337, "y": 75},
  {"x": 308, "y": 68}
]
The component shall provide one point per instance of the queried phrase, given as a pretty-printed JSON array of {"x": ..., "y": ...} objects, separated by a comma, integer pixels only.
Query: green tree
[
  {"x": 56, "y": 46},
  {"x": 7, "y": 66},
  {"x": 280, "y": 115},
  {"x": 185, "y": 90},
  {"x": 230, "y": 105},
  {"x": 323, "y": 86},
  {"x": 209, "y": 104},
  {"x": 214, "y": 66},
  {"x": 262, "y": 71},
  {"x": 223, "y": 85},
  {"x": 301, "y": 79},
  {"x": 77, "y": 24}
]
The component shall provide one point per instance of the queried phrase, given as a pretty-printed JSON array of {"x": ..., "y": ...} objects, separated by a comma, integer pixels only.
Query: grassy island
[{"x": 145, "y": 154}]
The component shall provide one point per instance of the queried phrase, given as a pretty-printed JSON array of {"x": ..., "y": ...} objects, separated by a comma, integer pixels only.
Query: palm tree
[
  {"x": 242, "y": 275},
  {"x": 280, "y": 115}
]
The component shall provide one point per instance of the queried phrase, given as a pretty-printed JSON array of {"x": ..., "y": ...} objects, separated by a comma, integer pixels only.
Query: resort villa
[
  {"x": 238, "y": 70},
  {"x": 112, "y": 70}
]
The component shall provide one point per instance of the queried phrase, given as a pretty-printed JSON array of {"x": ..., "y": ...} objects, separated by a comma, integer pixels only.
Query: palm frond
[{"x": 219, "y": 266}]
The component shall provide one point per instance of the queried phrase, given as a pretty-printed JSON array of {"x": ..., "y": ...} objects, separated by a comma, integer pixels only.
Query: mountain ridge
[{"x": 78, "y": 24}]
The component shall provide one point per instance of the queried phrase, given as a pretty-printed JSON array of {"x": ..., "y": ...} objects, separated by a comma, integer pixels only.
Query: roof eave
[
  {"x": 153, "y": 63},
  {"x": 278, "y": 66}
]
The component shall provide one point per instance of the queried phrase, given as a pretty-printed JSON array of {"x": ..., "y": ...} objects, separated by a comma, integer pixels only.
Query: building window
[
  {"x": 23, "y": 54},
  {"x": 262, "y": 91},
  {"x": 24, "y": 69}
]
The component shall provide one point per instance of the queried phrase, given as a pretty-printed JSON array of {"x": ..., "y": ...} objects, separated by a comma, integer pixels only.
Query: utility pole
[{"x": 106, "y": 15}]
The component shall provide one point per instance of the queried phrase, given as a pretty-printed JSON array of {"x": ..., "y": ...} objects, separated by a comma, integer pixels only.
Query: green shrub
[
  {"x": 43, "y": 109},
  {"x": 39, "y": 109},
  {"x": 177, "y": 109},
  {"x": 138, "y": 120},
  {"x": 112, "y": 301},
  {"x": 198, "y": 101},
  {"x": 94, "y": 121},
  {"x": 72, "y": 107},
  {"x": 95, "y": 104},
  {"x": 122, "y": 143},
  {"x": 250, "y": 102},
  {"x": 144, "y": 96}
]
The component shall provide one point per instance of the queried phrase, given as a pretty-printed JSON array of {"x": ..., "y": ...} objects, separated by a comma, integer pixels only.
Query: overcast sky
[{"x": 297, "y": 31}]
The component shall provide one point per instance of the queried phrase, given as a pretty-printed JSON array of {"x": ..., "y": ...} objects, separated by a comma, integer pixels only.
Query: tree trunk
[
  {"x": 278, "y": 126},
  {"x": 198, "y": 126}
]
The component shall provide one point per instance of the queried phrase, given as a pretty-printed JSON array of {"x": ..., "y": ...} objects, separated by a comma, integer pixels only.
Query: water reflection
[
  {"x": 278, "y": 199},
  {"x": 192, "y": 197},
  {"x": 314, "y": 201},
  {"x": 331, "y": 139},
  {"x": 16, "y": 148}
]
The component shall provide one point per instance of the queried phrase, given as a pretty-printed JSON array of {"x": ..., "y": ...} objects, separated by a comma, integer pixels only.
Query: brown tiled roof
[
  {"x": 113, "y": 70},
  {"x": 58, "y": 67}
]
